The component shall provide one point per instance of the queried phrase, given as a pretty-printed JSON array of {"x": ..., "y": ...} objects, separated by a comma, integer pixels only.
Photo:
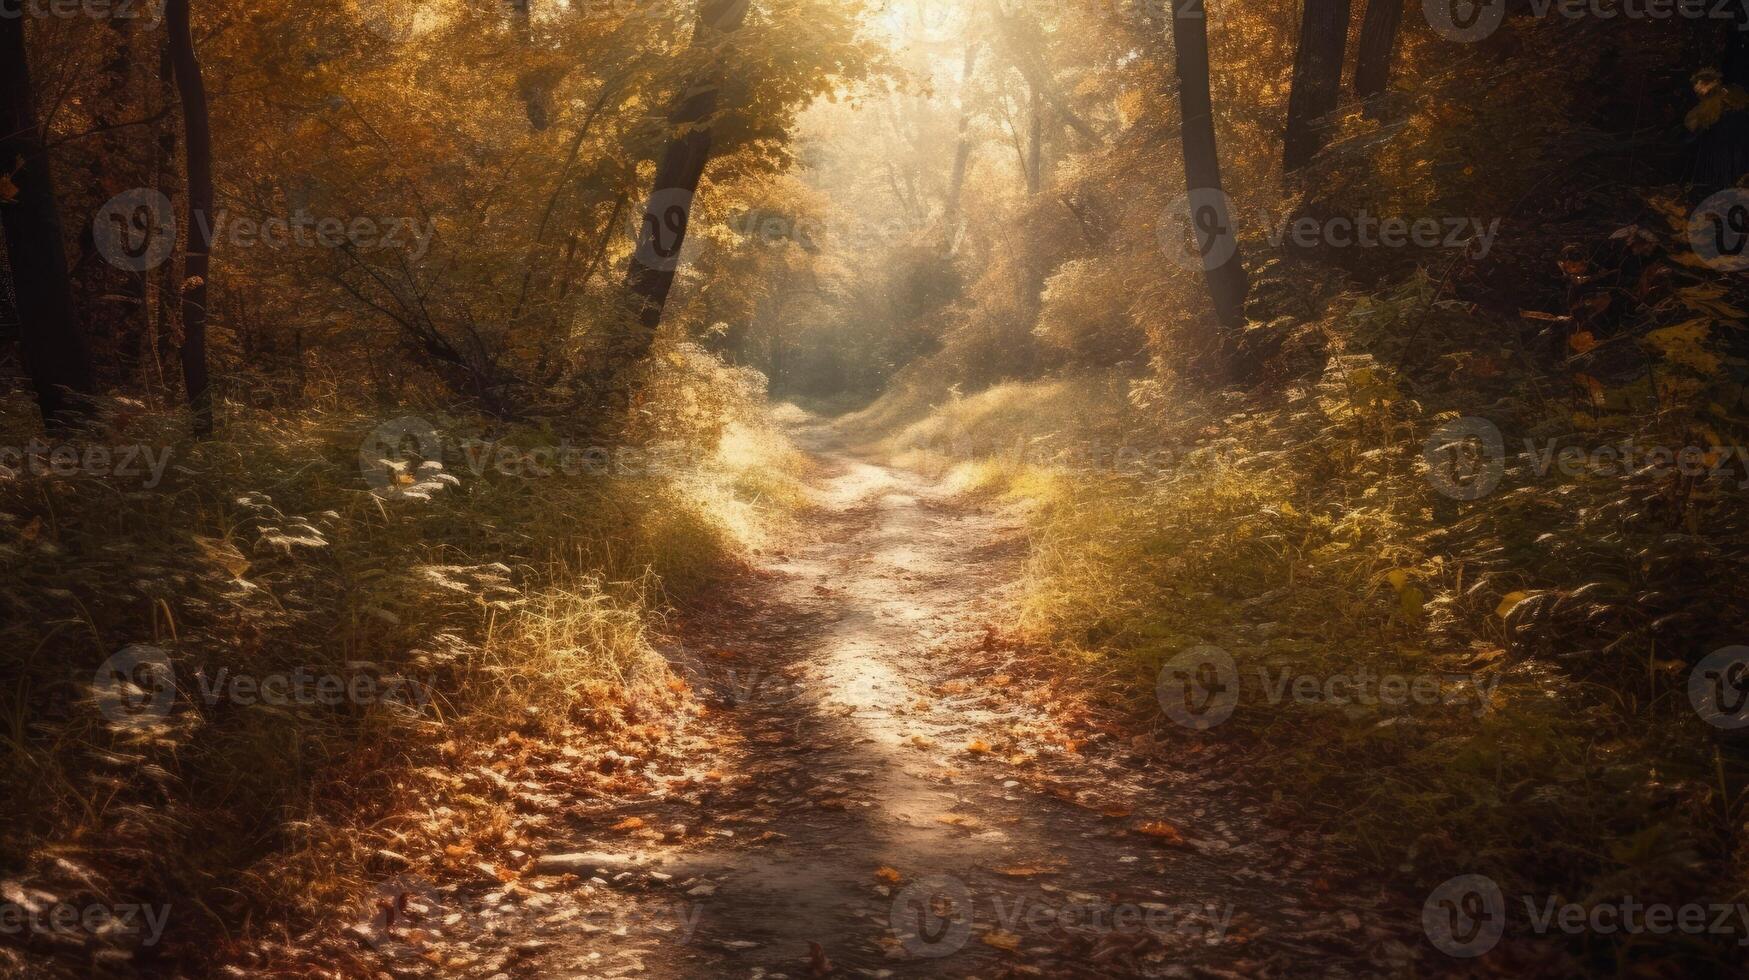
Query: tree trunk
[
  {"x": 650, "y": 276},
  {"x": 1035, "y": 145},
  {"x": 1734, "y": 60},
  {"x": 53, "y": 354},
  {"x": 1317, "y": 79},
  {"x": 197, "y": 261},
  {"x": 1378, "y": 46},
  {"x": 1211, "y": 219},
  {"x": 536, "y": 97},
  {"x": 962, "y": 149},
  {"x": 126, "y": 329},
  {"x": 161, "y": 329}
]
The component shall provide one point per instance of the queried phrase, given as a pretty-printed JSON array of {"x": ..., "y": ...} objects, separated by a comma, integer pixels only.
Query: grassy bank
[
  {"x": 316, "y": 642},
  {"x": 1496, "y": 685}
]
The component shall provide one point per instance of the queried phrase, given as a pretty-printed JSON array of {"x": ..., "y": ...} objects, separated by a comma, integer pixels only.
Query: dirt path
[{"x": 884, "y": 777}]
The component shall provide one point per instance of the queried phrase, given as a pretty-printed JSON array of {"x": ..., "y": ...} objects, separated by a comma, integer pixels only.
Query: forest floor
[{"x": 883, "y": 784}]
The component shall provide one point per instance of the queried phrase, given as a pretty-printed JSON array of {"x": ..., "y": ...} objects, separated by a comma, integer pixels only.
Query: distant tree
[
  {"x": 1035, "y": 142},
  {"x": 1317, "y": 79},
  {"x": 962, "y": 150},
  {"x": 1378, "y": 46},
  {"x": 197, "y": 261},
  {"x": 53, "y": 354},
  {"x": 1023, "y": 43},
  {"x": 1210, "y": 222}
]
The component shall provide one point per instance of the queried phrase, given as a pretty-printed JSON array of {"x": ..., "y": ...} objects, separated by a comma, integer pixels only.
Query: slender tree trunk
[
  {"x": 1211, "y": 219},
  {"x": 650, "y": 277},
  {"x": 962, "y": 148},
  {"x": 1378, "y": 46},
  {"x": 163, "y": 287},
  {"x": 600, "y": 252},
  {"x": 1035, "y": 145},
  {"x": 115, "y": 103},
  {"x": 1317, "y": 79},
  {"x": 608, "y": 88},
  {"x": 54, "y": 356},
  {"x": 197, "y": 261}
]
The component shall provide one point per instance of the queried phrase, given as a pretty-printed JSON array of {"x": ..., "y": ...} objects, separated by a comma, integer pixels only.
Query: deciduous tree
[{"x": 54, "y": 355}]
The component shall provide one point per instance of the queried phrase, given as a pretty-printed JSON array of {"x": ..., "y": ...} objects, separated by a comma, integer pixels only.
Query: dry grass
[
  {"x": 1300, "y": 534},
  {"x": 508, "y": 603}
]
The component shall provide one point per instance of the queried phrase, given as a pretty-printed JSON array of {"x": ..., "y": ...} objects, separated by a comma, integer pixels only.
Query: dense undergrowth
[{"x": 506, "y": 583}]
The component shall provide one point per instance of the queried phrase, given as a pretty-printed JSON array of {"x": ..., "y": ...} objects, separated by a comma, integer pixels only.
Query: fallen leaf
[
  {"x": 629, "y": 823},
  {"x": 889, "y": 875},
  {"x": 1509, "y": 602},
  {"x": 1022, "y": 871},
  {"x": 1001, "y": 940},
  {"x": 1160, "y": 830}
]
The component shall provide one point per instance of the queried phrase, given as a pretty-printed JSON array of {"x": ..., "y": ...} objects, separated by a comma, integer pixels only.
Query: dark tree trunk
[
  {"x": 1317, "y": 80},
  {"x": 54, "y": 356},
  {"x": 197, "y": 260},
  {"x": 536, "y": 96},
  {"x": 163, "y": 287},
  {"x": 1210, "y": 216},
  {"x": 124, "y": 330},
  {"x": 650, "y": 276},
  {"x": 1378, "y": 46},
  {"x": 1734, "y": 60}
]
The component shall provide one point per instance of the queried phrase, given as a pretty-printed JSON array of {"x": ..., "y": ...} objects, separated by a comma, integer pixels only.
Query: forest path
[{"x": 886, "y": 777}]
